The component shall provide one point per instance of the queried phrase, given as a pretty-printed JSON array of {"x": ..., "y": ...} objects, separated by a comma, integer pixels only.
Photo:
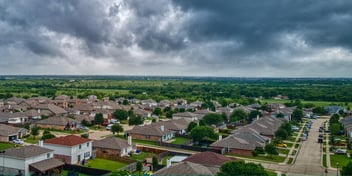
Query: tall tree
[
  {"x": 347, "y": 170},
  {"x": 116, "y": 128},
  {"x": 213, "y": 119},
  {"x": 297, "y": 115},
  {"x": 135, "y": 120},
  {"x": 157, "y": 111},
  {"x": 270, "y": 149},
  {"x": 237, "y": 115},
  {"x": 121, "y": 114},
  {"x": 99, "y": 119},
  {"x": 203, "y": 132},
  {"x": 35, "y": 131},
  {"x": 191, "y": 125},
  {"x": 139, "y": 167},
  {"x": 241, "y": 168},
  {"x": 155, "y": 162}
]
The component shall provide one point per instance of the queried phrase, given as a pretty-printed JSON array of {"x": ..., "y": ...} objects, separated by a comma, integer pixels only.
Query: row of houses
[
  {"x": 347, "y": 125},
  {"x": 245, "y": 140},
  {"x": 51, "y": 155}
]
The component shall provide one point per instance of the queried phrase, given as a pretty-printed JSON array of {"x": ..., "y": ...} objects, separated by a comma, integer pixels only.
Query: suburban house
[
  {"x": 176, "y": 125},
  {"x": 333, "y": 109},
  {"x": 187, "y": 168},
  {"x": 209, "y": 159},
  {"x": 347, "y": 125},
  {"x": 29, "y": 160},
  {"x": 112, "y": 146},
  {"x": 70, "y": 149},
  {"x": 201, "y": 113},
  {"x": 10, "y": 133},
  {"x": 187, "y": 115},
  {"x": 59, "y": 123},
  {"x": 13, "y": 118},
  {"x": 151, "y": 132},
  {"x": 143, "y": 113},
  {"x": 50, "y": 110}
]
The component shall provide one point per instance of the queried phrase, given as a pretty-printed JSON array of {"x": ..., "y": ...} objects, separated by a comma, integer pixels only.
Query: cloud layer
[{"x": 291, "y": 38}]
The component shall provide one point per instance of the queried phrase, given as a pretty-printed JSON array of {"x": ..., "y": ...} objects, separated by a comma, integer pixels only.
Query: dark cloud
[{"x": 178, "y": 37}]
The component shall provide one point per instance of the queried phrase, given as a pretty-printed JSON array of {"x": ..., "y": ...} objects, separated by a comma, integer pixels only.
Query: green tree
[
  {"x": 35, "y": 131},
  {"x": 203, "y": 132},
  {"x": 281, "y": 133},
  {"x": 120, "y": 173},
  {"x": 135, "y": 120},
  {"x": 237, "y": 115},
  {"x": 191, "y": 125},
  {"x": 121, "y": 114},
  {"x": 319, "y": 110},
  {"x": 125, "y": 102},
  {"x": 202, "y": 122},
  {"x": 84, "y": 122},
  {"x": 116, "y": 128},
  {"x": 270, "y": 149},
  {"x": 47, "y": 136},
  {"x": 347, "y": 170},
  {"x": 27, "y": 126},
  {"x": 288, "y": 128},
  {"x": 334, "y": 119},
  {"x": 335, "y": 128},
  {"x": 155, "y": 162},
  {"x": 297, "y": 115},
  {"x": 254, "y": 114},
  {"x": 139, "y": 167},
  {"x": 157, "y": 111},
  {"x": 99, "y": 119},
  {"x": 213, "y": 119},
  {"x": 242, "y": 169}
]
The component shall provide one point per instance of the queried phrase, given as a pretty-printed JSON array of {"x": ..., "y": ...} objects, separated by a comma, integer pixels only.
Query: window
[
  {"x": 80, "y": 147},
  {"x": 87, "y": 154},
  {"x": 48, "y": 155},
  {"x": 88, "y": 144}
]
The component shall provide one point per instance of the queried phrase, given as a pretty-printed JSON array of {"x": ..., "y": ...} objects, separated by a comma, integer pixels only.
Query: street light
[{"x": 337, "y": 169}]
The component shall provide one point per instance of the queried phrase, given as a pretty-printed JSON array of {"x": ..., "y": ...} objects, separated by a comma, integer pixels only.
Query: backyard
[
  {"x": 6, "y": 145},
  {"x": 341, "y": 159},
  {"x": 180, "y": 140},
  {"x": 104, "y": 164}
]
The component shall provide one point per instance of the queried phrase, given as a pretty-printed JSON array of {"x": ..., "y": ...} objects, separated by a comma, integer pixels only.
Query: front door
[{"x": 79, "y": 159}]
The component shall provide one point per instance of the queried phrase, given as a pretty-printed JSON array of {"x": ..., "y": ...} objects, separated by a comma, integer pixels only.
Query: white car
[
  {"x": 18, "y": 141},
  {"x": 109, "y": 127}
]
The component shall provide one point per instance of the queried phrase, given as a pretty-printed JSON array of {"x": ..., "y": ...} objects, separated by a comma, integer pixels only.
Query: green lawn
[
  {"x": 65, "y": 172},
  {"x": 110, "y": 165},
  {"x": 271, "y": 173},
  {"x": 297, "y": 145},
  {"x": 142, "y": 155},
  {"x": 324, "y": 160},
  {"x": 6, "y": 145},
  {"x": 180, "y": 140},
  {"x": 289, "y": 145},
  {"x": 290, "y": 160},
  {"x": 163, "y": 162},
  {"x": 316, "y": 103},
  {"x": 31, "y": 140},
  {"x": 283, "y": 151},
  {"x": 138, "y": 141},
  {"x": 341, "y": 159}
]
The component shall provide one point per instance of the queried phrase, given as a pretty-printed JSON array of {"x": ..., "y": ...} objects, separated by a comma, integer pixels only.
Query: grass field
[
  {"x": 316, "y": 103},
  {"x": 273, "y": 158},
  {"x": 104, "y": 164},
  {"x": 324, "y": 160},
  {"x": 31, "y": 140},
  {"x": 341, "y": 159},
  {"x": 142, "y": 155},
  {"x": 6, "y": 145},
  {"x": 180, "y": 140}
]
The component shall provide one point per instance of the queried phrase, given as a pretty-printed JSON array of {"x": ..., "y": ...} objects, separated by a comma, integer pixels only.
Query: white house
[
  {"x": 71, "y": 149},
  {"x": 29, "y": 160}
]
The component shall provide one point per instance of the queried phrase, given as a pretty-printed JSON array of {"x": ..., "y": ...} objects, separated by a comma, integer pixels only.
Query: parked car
[
  {"x": 294, "y": 128},
  {"x": 84, "y": 128},
  {"x": 340, "y": 151},
  {"x": 304, "y": 138},
  {"x": 108, "y": 127},
  {"x": 282, "y": 145},
  {"x": 18, "y": 141},
  {"x": 113, "y": 121}
]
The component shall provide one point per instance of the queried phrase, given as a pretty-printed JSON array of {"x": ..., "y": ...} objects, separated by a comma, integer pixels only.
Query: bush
[{"x": 85, "y": 135}]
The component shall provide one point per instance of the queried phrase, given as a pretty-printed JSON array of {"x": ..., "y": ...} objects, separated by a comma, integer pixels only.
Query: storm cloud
[{"x": 290, "y": 38}]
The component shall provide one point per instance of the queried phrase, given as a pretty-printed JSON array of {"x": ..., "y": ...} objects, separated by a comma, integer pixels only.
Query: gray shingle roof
[
  {"x": 151, "y": 130},
  {"x": 26, "y": 151},
  {"x": 6, "y": 130},
  {"x": 111, "y": 143},
  {"x": 61, "y": 121},
  {"x": 187, "y": 169},
  {"x": 47, "y": 164}
]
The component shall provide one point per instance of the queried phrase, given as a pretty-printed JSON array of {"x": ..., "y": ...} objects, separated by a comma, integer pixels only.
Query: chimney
[
  {"x": 40, "y": 143},
  {"x": 162, "y": 128},
  {"x": 39, "y": 111},
  {"x": 168, "y": 163},
  {"x": 220, "y": 137},
  {"x": 129, "y": 140}
]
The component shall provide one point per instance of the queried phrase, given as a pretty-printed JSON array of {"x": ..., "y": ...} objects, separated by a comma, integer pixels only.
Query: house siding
[{"x": 144, "y": 137}]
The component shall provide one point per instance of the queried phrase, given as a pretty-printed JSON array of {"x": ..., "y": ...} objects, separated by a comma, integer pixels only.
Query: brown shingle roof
[
  {"x": 187, "y": 169},
  {"x": 53, "y": 108},
  {"x": 6, "y": 130},
  {"x": 149, "y": 130},
  {"x": 209, "y": 159},
  {"x": 61, "y": 121},
  {"x": 111, "y": 143},
  {"x": 47, "y": 164},
  {"x": 70, "y": 140},
  {"x": 26, "y": 151}
]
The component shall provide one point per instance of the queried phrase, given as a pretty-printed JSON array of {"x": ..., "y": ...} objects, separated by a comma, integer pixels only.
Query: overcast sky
[{"x": 256, "y": 38}]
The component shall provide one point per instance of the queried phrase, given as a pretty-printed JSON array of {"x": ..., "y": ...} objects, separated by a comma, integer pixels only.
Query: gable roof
[
  {"x": 53, "y": 108},
  {"x": 234, "y": 142},
  {"x": 152, "y": 130},
  {"x": 61, "y": 121},
  {"x": 174, "y": 124},
  {"x": 208, "y": 159},
  {"x": 187, "y": 169},
  {"x": 6, "y": 130},
  {"x": 111, "y": 143},
  {"x": 26, "y": 151},
  {"x": 47, "y": 164},
  {"x": 70, "y": 140}
]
